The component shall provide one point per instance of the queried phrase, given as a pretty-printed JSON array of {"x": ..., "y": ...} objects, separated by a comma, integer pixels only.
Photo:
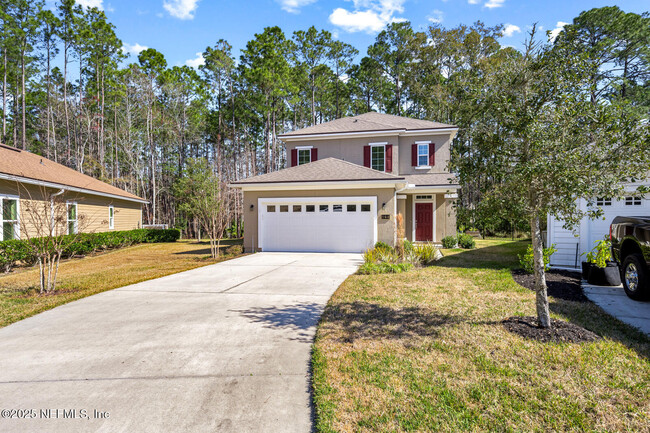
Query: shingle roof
[
  {"x": 368, "y": 122},
  {"x": 432, "y": 179},
  {"x": 20, "y": 163},
  {"x": 323, "y": 170}
]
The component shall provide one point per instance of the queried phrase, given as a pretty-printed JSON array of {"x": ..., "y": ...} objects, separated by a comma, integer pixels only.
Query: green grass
[
  {"x": 425, "y": 350},
  {"x": 78, "y": 278}
]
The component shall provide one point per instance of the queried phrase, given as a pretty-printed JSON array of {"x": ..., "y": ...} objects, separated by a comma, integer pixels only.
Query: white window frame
[
  {"x": 2, "y": 221},
  {"x": 378, "y": 145},
  {"x": 111, "y": 216},
  {"x": 303, "y": 148},
  {"x": 432, "y": 200},
  {"x": 420, "y": 144},
  {"x": 67, "y": 217}
]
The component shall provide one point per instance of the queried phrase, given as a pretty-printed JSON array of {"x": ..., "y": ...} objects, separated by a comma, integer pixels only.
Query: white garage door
[
  {"x": 323, "y": 224},
  {"x": 630, "y": 206}
]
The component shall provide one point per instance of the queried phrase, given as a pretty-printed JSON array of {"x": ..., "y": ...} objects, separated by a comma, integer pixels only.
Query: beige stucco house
[
  {"x": 349, "y": 182},
  {"x": 26, "y": 179}
]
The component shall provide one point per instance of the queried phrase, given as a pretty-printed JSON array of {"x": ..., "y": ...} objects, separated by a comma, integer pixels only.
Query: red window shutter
[
  {"x": 389, "y": 158},
  {"x": 414, "y": 155},
  {"x": 314, "y": 154},
  {"x": 366, "y": 156},
  {"x": 432, "y": 154},
  {"x": 294, "y": 157}
]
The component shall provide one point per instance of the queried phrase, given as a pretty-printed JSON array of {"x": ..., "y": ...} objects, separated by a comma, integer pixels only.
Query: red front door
[{"x": 423, "y": 221}]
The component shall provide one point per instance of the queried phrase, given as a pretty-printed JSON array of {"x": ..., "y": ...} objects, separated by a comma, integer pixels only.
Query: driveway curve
[{"x": 225, "y": 347}]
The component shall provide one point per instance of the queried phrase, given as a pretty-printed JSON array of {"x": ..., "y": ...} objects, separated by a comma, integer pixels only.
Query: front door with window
[{"x": 424, "y": 221}]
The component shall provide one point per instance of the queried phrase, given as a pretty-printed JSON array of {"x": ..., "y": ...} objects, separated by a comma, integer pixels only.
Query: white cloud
[
  {"x": 556, "y": 31},
  {"x": 370, "y": 16},
  {"x": 293, "y": 6},
  {"x": 491, "y": 4},
  {"x": 473, "y": 2},
  {"x": 436, "y": 16},
  {"x": 181, "y": 9},
  {"x": 195, "y": 63},
  {"x": 510, "y": 29},
  {"x": 134, "y": 49},
  {"x": 99, "y": 4}
]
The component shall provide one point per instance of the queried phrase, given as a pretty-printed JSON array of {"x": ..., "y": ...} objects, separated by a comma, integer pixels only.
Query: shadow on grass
[
  {"x": 502, "y": 256},
  {"x": 301, "y": 318},
  {"x": 225, "y": 244},
  {"x": 357, "y": 320}
]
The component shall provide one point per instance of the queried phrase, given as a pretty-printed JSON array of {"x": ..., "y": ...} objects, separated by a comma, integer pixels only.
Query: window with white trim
[
  {"x": 304, "y": 156},
  {"x": 111, "y": 216},
  {"x": 378, "y": 157},
  {"x": 423, "y": 155},
  {"x": 633, "y": 201},
  {"x": 9, "y": 218},
  {"x": 72, "y": 218}
]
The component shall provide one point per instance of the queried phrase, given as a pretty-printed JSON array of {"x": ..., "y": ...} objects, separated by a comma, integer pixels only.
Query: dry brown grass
[
  {"x": 426, "y": 351},
  {"x": 78, "y": 278}
]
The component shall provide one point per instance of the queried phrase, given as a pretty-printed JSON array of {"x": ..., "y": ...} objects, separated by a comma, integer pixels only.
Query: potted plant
[{"x": 603, "y": 271}]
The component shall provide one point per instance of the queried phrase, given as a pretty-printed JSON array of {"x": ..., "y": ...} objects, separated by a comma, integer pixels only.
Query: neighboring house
[
  {"x": 27, "y": 176},
  {"x": 349, "y": 180},
  {"x": 571, "y": 245}
]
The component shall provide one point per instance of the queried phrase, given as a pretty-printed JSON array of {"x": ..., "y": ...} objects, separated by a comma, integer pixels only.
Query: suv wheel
[{"x": 635, "y": 278}]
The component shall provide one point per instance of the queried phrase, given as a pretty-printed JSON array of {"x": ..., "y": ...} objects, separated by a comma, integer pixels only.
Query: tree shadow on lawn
[{"x": 225, "y": 244}]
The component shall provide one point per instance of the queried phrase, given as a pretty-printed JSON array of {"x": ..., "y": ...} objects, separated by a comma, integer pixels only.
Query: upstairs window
[
  {"x": 9, "y": 218},
  {"x": 304, "y": 156},
  {"x": 378, "y": 158},
  {"x": 72, "y": 218},
  {"x": 423, "y": 155}
]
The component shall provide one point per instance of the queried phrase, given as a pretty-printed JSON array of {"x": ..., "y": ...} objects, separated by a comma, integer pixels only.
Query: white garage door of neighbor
[
  {"x": 319, "y": 224},
  {"x": 599, "y": 228}
]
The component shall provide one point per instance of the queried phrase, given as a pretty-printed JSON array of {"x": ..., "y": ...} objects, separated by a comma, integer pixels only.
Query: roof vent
[
  {"x": 42, "y": 161},
  {"x": 356, "y": 120}
]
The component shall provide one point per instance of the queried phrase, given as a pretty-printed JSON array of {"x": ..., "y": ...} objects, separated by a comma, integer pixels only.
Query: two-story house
[{"x": 348, "y": 181}]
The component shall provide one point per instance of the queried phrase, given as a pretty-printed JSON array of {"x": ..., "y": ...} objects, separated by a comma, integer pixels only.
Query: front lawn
[
  {"x": 426, "y": 350},
  {"x": 78, "y": 278}
]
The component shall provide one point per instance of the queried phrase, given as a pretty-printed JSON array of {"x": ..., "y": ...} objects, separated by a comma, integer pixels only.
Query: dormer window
[
  {"x": 304, "y": 155},
  {"x": 423, "y": 154}
]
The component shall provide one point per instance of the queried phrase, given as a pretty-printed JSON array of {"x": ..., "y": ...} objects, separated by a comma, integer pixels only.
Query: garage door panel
[{"x": 317, "y": 231}]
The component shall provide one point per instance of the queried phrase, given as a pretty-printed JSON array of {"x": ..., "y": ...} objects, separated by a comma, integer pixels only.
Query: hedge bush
[
  {"x": 466, "y": 241},
  {"x": 15, "y": 251},
  {"x": 449, "y": 242}
]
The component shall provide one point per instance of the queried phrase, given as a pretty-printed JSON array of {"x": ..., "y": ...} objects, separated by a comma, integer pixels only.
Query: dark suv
[{"x": 630, "y": 238}]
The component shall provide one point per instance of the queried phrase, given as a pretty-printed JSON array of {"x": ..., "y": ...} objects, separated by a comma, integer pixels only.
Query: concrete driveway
[
  {"x": 616, "y": 303},
  {"x": 222, "y": 348}
]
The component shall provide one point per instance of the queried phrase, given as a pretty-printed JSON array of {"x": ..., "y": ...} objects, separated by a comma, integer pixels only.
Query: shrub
[
  {"x": 408, "y": 246},
  {"x": 383, "y": 245},
  {"x": 466, "y": 241},
  {"x": 526, "y": 260},
  {"x": 449, "y": 242},
  {"x": 234, "y": 250},
  {"x": 13, "y": 252},
  {"x": 383, "y": 268},
  {"x": 600, "y": 254},
  {"x": 427, "y": 253}
]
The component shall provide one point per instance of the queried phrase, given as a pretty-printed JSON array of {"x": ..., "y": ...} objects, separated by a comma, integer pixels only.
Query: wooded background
[{"x": 135, "y": 123}]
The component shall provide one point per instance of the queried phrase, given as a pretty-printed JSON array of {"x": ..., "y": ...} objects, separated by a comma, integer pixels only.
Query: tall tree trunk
[
  {"x": 65, "y": 99},
  {"x": 4, "y": 97},
  {"x": 23, "y": 97},
  {"x": 48, "y": 108},
  {"x": 541, "y": 298}
]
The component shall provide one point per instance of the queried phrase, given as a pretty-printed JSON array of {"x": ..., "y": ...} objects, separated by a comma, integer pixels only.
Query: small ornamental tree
[
  {"x": 51, "y": 224},
  {"x": 549, "y": 144},
  {"x": 208, "y": 199}
]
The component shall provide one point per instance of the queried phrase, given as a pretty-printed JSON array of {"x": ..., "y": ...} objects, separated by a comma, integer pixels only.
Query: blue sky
[{"x": 181, "y": 29}]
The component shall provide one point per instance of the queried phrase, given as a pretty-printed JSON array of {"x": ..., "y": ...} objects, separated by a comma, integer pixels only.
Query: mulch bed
[
  {"x": 561, "y": 284},
  {"x": 560, "y": 331}
]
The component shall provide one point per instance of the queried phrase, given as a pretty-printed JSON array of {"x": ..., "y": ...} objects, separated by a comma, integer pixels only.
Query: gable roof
[
  {"x": 323, "y": 170},
  {"x": 27, "y": 167},
  {"x": 368, "y": 122},
  {"x": 432, "y": 179}
]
